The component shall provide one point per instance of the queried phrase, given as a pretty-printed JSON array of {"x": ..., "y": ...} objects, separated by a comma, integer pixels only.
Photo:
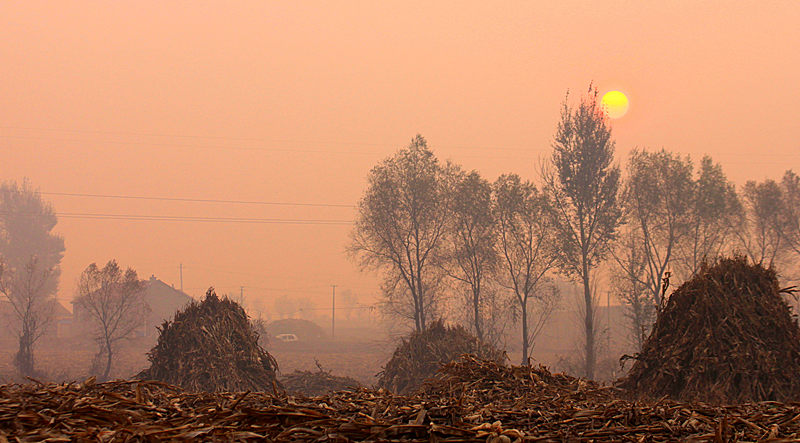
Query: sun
[{"x": 615, "y": 103}]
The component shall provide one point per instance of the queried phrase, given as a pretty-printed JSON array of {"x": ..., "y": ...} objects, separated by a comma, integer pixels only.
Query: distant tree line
[{"x": 437, "y": 232}]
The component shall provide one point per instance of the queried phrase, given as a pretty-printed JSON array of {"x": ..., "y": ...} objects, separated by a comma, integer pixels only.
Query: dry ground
[{"x": 70, "y": 359}]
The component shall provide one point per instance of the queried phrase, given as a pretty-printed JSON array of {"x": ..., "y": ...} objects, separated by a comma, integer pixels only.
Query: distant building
[
  {"x": 162, "y": 299},
  {"x": 58, "y": 326},
  {"x": 62, "y": 319}
]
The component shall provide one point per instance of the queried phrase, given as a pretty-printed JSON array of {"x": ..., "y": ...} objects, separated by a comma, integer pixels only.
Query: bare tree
[
  {"x": 496, "y": 309},
  {"x": 581, "y": 185},
  {"x": 31, "y": 255},
  {"x": 473, "y": 257},
  {"x": 400, "y": 303},
  {"x": 761, "y": 223},
  {"x": 401, "y": 227},
  {"x": 527, "y": 253},
  {"x": 714, "y": 210},
  {"x": 627, "y": 284},
  {"x": 114, "y": 301},
  {"x": 790, "y": 223},
  {"x": 657, "y": 200},
  {"x": 672, "y": 218},
  {"x": 32, "y": 306}
]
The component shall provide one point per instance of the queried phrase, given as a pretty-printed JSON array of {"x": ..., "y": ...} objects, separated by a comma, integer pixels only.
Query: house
[
  {"x": 58, "y": 325},
  {"x": 163, "y": 301}
]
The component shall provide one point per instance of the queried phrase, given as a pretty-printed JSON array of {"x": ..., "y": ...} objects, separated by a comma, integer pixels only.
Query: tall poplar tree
[{"x": 581, "y": 183}]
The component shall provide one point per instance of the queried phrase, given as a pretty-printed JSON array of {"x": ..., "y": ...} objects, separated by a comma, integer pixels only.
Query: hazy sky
[{"x": 295, "y": 101}]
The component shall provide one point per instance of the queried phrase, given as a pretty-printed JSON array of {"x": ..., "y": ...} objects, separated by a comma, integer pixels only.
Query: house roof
[
  {"x": 58, "y": 309},
  {"x": 163, "y": 299}
]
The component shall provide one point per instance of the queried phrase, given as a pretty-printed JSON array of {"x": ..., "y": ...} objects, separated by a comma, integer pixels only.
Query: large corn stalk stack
[
  {"x": 725, "y": 336},
  {"x": 419, "y": 356},
  {"x": 211, "y": 346}
]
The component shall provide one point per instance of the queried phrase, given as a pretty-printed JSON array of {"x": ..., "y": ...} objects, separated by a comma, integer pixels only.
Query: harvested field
[
  {"x": 358, "y": 359},
  {"x": 470, "y": 400},
  {"x": 70, "y": 359},
  {"x": 313, "y": 383}
]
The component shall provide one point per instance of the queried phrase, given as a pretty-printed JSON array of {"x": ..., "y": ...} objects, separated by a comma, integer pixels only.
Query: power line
[
  {"x": 200, "y": 200},
  {"x": 138, "y": 217}
]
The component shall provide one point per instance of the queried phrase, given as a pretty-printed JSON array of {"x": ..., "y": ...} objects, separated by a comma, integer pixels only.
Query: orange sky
[{"x": 295, "y": 101}]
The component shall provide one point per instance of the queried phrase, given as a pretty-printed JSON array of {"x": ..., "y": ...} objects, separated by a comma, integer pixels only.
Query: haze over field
[{"x": 290, "y": 102}]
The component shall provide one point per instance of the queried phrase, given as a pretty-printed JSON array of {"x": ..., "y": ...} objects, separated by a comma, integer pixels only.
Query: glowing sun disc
[{"x": 615, "y": 103}]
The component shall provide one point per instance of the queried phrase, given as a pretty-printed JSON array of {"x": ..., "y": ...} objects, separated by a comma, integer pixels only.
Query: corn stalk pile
[
  {"x": 211, "y": 346},
  {"x": 469, "y": 400},
  {"x": 723, "y": 350},
  {"x": 725, "y": 336},
  {"x": 418, "y": 356}
]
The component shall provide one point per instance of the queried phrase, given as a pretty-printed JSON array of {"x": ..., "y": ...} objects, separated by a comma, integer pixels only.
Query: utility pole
[
  {"x": 181, "y": 271},
  {"x": 241, "y": 295},
  {"x": 333, "y": 312}
]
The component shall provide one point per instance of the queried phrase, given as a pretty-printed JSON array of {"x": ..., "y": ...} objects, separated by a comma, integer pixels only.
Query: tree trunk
[
  {"x": 108, "y": 360},
  {"x": 416, "y": 312},
  {"x": 524, "y": 307},
  {"x": 24, "y": 358},
  {"x": 421, "y": 300},
  {"x": 588, "y": 323},
  {"x": 476, "y": 313}
]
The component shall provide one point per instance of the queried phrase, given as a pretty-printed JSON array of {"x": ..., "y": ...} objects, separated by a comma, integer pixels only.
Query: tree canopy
[{"x": 400, "y": 228}]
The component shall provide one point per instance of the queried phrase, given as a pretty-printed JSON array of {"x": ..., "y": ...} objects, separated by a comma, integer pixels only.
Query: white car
[{"x": 286, "y": 337}]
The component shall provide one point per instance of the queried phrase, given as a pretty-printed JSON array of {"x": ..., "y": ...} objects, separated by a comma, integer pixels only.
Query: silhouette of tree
[
  {"x": 401, "y": 227},
  {"x": 581, "y": 185},
  {"x": 790, "y": 223},
  {"x": 527, "y": 253},
  {"x": 31, "y": 254},
  {"x": 627, "y": 284},
  {"x": 761, "y": 224},
  {"x": 472, "y": 253},
  {"x": 714, "y": 210},
  {"x": 658, "y": 201},
  {"x": 114, "y": 301}
]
